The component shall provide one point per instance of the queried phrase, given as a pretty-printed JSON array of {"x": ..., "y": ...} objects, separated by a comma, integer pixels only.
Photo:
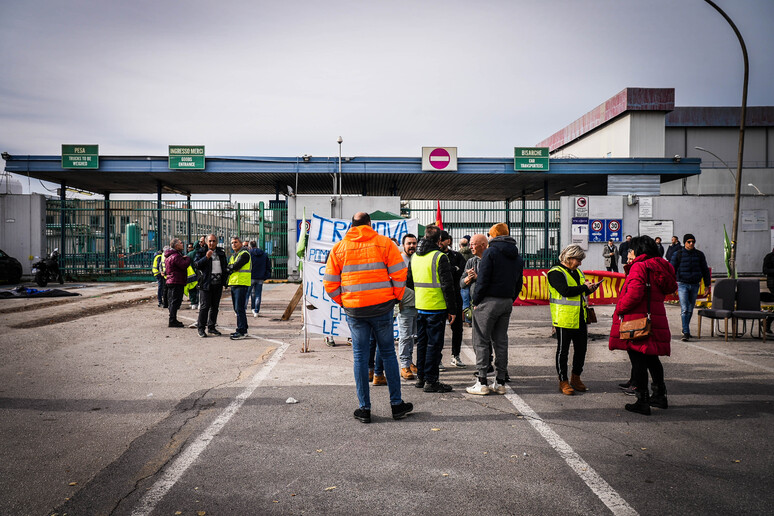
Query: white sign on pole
[
  {"x": 582, "y": 207},
  {"x": 646, "y": 208},
  {"x": 439, "y": 159},
  {"x": 321, "y": 314}
]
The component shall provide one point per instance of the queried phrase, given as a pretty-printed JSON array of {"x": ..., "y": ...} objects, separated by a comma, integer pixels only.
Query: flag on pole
[
  {"x": 302, "y": 238},
  {"x": 438, "y": 218},
  {"x": 727, "y": 252}
]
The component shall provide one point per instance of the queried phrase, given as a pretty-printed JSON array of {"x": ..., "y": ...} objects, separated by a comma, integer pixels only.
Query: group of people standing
[
  {"x": 369, "y": 276},
  {"x": 204, "y": 272}
]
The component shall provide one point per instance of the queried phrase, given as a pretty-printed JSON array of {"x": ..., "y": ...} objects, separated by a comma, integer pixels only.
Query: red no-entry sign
[{"x": 439, "y": 158}]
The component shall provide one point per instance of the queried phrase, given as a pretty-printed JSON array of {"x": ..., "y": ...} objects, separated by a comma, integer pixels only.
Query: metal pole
[
  {"x": 341, "y": 208},
  {"x": 158, "y": 216},
  {"x": 189, "y": 217},
  {"x": 523, "y": 221},
  {"x": 545, "y": 214},
  {"x": 262, "y": 227},
  {"x": 107, "y": 231},
  {"x": 62, "y": 222},
  {"x": 743, "y": 115}
]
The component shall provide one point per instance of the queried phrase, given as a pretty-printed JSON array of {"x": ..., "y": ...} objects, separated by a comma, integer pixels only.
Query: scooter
[{"x": 47, "y": 269}]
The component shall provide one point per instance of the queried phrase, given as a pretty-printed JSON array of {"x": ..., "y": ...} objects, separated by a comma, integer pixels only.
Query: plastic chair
[
  {"x": 748, "y": 306},
  {"x": 723, "y": 301}
]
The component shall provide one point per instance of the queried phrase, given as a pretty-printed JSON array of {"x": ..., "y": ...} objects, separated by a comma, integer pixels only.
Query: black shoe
[
  {"x": 438, "y": 387},
  {"x": 238, "y": 336},
  {"x": 686, "y": 337},
  {"x": 213, "y": 331},
  {"x": 419, "y": 383},
  {"x": 659, "y": 399},
  {"x": 624, "y": 386},
  {"x": 641, "y": 406},
  {"x": 630, "y": 391},
  {"x": 400, "y": 411},
  {"x": 363, "y": 415},
  {"x": 176, "y": 324},
  {"x": 202, "y": 334}
]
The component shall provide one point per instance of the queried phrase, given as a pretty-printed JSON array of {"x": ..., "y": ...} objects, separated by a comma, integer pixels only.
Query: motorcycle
[{"x": 47, "y": 269}]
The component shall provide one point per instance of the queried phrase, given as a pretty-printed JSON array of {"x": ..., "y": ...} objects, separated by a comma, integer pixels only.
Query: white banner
[{"x": 321, "y": 314}]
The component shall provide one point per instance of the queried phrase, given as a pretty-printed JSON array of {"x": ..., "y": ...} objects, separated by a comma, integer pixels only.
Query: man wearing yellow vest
[
  {"x": 430, "y": 276},
  {"x": 239, "y": 282},
  {"x": 158, "y": 273},
  {"x": 366, "y": 275}
]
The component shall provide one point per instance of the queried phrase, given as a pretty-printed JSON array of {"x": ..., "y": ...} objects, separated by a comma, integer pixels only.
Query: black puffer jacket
[
  {"x": 501, "y": 270},
  {"x": 444, "y": 275}
]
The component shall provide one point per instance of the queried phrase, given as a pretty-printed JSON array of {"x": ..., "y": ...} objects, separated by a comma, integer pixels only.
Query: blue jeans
[
  {"x": 687, "y": 292},
  {"x": 375, "y": 361},
  {"x": 239, "y": 301},
  {"x": 407, "y": 330},
  {"x": 361, "y": 329},
  {"x": 430, "y": 330},
  {"x": 465, "y": 292},
  {"x": 254, "y": 294}
]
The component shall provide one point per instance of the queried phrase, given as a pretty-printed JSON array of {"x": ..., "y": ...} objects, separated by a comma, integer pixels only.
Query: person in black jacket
[
  {"x": 211, "y": 264},
  {"x": 768, "y": 271},
  {"x": 673, "y": 248},
  {"x": 623, "y": 249},
  {"x": 497, "y": 287},
  {"x": 690, "y": 268},
  {"x": 457, "y": 262}
]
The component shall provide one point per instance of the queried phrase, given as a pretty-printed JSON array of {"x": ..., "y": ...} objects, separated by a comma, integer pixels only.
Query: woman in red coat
[{"x": 647, "y": 271}]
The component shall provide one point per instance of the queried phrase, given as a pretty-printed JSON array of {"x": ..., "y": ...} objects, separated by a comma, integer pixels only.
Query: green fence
[
  {"x": 534, "y": 224},
  {"x": 136, "y": 229}
]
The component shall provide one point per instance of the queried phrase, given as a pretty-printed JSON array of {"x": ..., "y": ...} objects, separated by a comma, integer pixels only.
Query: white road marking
[
  {"x": 190, "y": 454},
  {"x": 596, "y": 483},
  {"x": 724, "y": 355}
]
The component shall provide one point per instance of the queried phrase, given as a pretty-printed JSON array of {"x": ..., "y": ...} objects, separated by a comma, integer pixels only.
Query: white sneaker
[
  {"x": 456, "y": 362},
  {"x": 481, "y": 390},
  {"x": 497, "y": 387},
  {"x": 194, "y": 307},
  {"x": 255, "y": 313}
]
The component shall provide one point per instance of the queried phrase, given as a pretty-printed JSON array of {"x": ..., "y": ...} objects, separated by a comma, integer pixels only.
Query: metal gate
[
  {"x": 534, "y": 224},
  {"x": 116, "y": 240}
]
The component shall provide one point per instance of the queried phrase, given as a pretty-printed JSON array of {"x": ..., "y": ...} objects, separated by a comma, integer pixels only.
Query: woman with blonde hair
[{"x": 567, "y": 290}]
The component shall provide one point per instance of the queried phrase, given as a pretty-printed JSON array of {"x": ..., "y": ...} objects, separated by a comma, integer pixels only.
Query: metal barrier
[
  {"x": 123, "y": 248},
  {"x": 534, "y": 224}
]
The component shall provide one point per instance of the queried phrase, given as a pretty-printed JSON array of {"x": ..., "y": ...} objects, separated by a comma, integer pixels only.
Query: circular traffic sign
[
  {"x": 581, "y": 201},
  {"x": 596, "y": 225},
  {"x": 613, "y": 225},
  {"x": 439, "y": 158}
]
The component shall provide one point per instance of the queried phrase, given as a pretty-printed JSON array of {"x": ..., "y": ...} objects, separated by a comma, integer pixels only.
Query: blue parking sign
[
  {"x": 597, "y": 230},
  {"x": 613, "y": 229}
]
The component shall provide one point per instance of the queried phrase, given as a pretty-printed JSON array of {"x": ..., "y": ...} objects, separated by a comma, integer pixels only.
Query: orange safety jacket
[{"x": 363, "y": 270}]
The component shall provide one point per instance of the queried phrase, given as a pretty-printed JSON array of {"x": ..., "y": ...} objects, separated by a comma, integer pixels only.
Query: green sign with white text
[
  {"x": 186, "y": 157},
  {"x": 530, "y": 159},
  {"x": 80, "y": 156}
]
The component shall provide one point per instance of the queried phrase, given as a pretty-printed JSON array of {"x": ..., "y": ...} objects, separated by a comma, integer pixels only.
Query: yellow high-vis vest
[
  {"x": 427, "y": 285},
  {"x": 566, "y": 311},
  {"x": 240, "y": 277}
]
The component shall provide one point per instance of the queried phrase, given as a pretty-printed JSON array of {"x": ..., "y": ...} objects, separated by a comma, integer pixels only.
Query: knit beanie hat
[
  {"x": 689, "y": 236},
  {"x": 499, "y": 229}
]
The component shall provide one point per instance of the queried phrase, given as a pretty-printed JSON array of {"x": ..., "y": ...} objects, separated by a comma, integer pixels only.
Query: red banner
[{"x": 535, "y": 289}]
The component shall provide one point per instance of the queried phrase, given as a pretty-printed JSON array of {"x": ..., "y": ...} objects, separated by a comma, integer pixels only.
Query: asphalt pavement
[{"x": 105, "y": 410}]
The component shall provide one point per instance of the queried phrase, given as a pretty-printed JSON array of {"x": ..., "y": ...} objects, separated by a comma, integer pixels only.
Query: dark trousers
[
  {"x": 641, "y": 364},
  {"x": 613, "y": 267},
  {"x": 430, "y": 330},
  {"x": 175, "y": 296},
  {"x": 209, "y": 303},
  {"x": 162, "y": 291},
  {"x": 579, "y": 339},
  {"x": 456, "y": 328}
]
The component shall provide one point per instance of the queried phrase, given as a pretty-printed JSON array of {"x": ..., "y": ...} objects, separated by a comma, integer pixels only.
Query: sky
[{"x": 257, "y": 78}]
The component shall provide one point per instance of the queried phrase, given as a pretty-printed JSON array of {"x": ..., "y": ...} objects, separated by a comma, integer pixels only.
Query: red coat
[{"x": 632, "y": 304}]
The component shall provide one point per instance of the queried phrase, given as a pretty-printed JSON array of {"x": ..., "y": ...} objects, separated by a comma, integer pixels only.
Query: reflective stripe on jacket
[
  {"x": 240, "y": 277},
  {"x": 427, "y": 286},
  {"x": 566, "y": 311},
  {"x": 191, "y": 280},
  {"x": 364, "y": 269}
]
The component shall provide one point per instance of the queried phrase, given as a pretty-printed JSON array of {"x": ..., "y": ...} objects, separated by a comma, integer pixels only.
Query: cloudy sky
[{"x": 287, "y": 78}]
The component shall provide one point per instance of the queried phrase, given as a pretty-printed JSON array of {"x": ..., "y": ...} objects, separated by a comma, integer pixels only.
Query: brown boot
[
  {"x": 413, "y": 368},
  {"x": 406, "y": 373},
  {"x": 380, "y": 379},
  {"x": 577, "y": 384},
  {"x": 564, "y": 386}
]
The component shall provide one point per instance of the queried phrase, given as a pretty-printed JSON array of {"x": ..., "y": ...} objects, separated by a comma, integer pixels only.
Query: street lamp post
[
  {"x": 341, "y": 208},
  {"x": 743, "y": 115},
  {"x": 719, "y": 159}
]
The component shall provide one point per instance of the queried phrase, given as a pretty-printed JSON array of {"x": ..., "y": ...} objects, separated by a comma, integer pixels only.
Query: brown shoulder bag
[{"x": 637, "y": 328}]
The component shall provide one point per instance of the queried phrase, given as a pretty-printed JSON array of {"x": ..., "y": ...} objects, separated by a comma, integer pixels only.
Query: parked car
[{"x": 10, "y": 269}]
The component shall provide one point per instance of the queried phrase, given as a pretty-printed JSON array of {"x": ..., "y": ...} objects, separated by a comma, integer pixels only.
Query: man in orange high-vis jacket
[{"x": 366, "y": 275}]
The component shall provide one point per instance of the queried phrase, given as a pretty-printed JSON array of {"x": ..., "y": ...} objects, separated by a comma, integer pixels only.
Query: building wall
[
  {"x": 704, "y": 219},
  {"x": 23, "y": 227},
  {"x": 638, "y": 134}
]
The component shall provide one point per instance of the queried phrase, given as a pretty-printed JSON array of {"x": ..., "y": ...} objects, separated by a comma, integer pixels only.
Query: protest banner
[
  {"x": 535, "y": 288},
  {"x": 321, "y": 314}
]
